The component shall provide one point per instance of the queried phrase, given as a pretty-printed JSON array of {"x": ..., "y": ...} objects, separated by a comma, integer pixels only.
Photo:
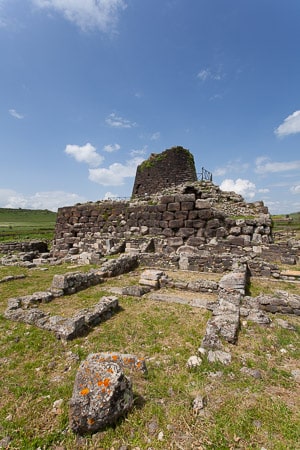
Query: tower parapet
[{"x": 160, "y": 171}]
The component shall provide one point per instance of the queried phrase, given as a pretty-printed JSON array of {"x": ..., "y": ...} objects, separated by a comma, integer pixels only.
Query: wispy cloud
[
  {"x": 232, "y": 167},
  {"x": 139, "y": 152},
  {"x": 265, "y": 165},
  {"x": 290, "y": 125},
  {"x": 243, "y": 187},
  {"x": 208, "y": 74},
  {"x": 15, "y": 114},
  {"x": 110, "y": 148},
  {"x": 40, "y": 200},
  {"x": 115, "y": 121},
  {"x": 155, "y": 136},
  {"x": 86, "y": 153},
  {"x": 116, "y": 173},
  {"x": 87, "y": 14}
]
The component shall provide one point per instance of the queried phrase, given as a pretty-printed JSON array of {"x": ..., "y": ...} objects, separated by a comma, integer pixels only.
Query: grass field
[
  {"x": 242, "y": 412},
  {"x": 287, "y": 224},
  {"x": 24, "y": 224}
]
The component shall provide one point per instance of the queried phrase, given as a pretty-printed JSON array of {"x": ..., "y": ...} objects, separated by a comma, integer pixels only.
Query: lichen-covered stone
[{"x": 101, "y": 394}]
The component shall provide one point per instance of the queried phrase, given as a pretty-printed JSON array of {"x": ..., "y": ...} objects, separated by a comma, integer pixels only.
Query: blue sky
[{"x": 90, "y": 88}]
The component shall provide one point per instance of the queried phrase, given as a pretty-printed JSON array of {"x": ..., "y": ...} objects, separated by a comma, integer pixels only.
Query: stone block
[
  {"x": 205, "y": 214},
  {"x": 187, "y": 206},
  {"x": 174, "y": 206},
  {"x": 185, "y": 198},
  {"x": 165, "y": 199},
  {"x": 193, "y": 215},
  {"x": 168, "y": 215},
  {"x": 175, "y": 242},
  {"x": 181, "y": 215},
  {"x": 185, "y": 232},
  {"x": 202, "y": 204},
  {"x": 176, "y": 223}
]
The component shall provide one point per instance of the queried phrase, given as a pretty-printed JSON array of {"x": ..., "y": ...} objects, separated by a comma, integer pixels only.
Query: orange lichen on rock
[
  {"x": 105, "y": 382},
  {"x": 84, "y": 391},
  {"x": 91, "y": 421}
]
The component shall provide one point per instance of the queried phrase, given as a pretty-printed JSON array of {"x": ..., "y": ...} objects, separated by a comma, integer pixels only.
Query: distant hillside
[
  {"x": 287, "y": 223},
  {"x": 22, "y": 224}
]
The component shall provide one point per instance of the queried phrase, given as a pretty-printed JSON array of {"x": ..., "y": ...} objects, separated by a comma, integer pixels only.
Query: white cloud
[
  {"x": 119, "y": 122},
  {"x": 40, "y": 200},
  {"x": 116, "y": 173},
  {"x": 265, "y": 165},
  {"x": 111, "y": 148},
  {"x": 86, "y": 153},
  {"x": 295, "y": 189},
  {"x": 155, "y": 136},
  {"x": 15, "y": 114},
  {"x": 290, "y": 125},
  {"x": 109, "y": 196},
  {"x": 87, "y": 14},
  {"x": 243, "y": 187},
  {"x": 263, "y": 191}
]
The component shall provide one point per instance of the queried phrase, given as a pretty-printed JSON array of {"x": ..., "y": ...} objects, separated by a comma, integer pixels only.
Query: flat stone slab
[
  {"x": 195, "y": 302},
  {"x": 291, "y": 273}
]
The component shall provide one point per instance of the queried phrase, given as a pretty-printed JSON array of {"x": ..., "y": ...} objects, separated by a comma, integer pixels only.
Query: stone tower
[{"x": 161, "y": 170}]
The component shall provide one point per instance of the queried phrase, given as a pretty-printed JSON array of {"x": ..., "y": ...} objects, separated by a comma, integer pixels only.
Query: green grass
[
  {"x": 24, "y": 224},
  {"x": 242, "y": 412}
]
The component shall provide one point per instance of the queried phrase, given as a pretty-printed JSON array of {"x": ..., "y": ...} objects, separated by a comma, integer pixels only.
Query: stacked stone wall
[
  {"x": 170, "y": 168},
  {"x": 30, "y": 246},
  {"x": 193, "y": 217}
]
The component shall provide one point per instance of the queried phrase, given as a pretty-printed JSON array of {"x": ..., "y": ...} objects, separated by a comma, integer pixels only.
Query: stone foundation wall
[
  {"x": 30, "y": 246},
  {"x": 192, "y": 217}
]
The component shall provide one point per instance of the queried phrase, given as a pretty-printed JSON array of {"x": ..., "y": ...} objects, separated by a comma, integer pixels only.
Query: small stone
[
  {"x": 296, "y": 375},
  {"x": 284, "y": 324},
  {"x": 160, "y": 436},
  {"x": 193, "y": 362},
  {"x": 152, "y": 427},
  {"x": 4, "y": 443},
  {"x": 219, "y": 356},
  {"x": 202, "y": 350},
  {"x": 56, "y": 407},
  {"x": 251, "y": 372},
  {"x": 199, "y": 404}
]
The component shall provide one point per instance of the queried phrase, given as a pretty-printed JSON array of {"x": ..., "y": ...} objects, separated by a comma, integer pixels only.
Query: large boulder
[{"x": 101, "y": 394}]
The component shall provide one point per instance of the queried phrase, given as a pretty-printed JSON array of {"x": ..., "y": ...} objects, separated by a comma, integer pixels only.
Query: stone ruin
[
  {"x": 170, "y": 168},
  {"x": 172, "y": 221},
  {"x": 176, "y": 221}
]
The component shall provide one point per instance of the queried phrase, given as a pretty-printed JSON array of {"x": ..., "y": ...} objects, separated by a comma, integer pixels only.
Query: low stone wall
[
  {"x": 24, "y": 309},
  {"x": 282, "y": 302},
  {"x": 72, "y": 282},
  {"x": 30, "y": 246},
  {"x": 64, "y": 328}
]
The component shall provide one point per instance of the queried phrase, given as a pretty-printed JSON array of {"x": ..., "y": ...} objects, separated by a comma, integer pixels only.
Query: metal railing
[{"x": 205, "y": 175}]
